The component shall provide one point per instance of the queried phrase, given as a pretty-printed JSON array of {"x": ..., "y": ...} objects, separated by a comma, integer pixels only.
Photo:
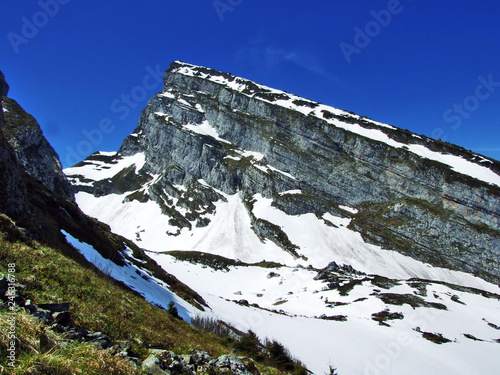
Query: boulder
[
  {"x": 230, "y": 364},
  {"x": 153, "y": 366}
]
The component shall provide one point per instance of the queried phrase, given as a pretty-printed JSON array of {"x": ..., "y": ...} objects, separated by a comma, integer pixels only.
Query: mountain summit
[{"x": 216, "y": 161}]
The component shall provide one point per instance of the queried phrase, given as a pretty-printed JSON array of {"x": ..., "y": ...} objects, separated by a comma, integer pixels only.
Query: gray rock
[
  {"x": 4, "y": 90},
  {"x": 4, "y": 87},
  {"x": 418, "y": 207},
  {"x": 63, "y": 318},
  {"x": 231, "y": 363},
  {"x": 153, "y": 366},
  {"x": 54, "y": 307},
  {"x": 33, "y": 151},
  {"x": 12, "y": 187}
]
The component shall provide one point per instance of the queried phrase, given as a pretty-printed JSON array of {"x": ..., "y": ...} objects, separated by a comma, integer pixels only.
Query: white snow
[
  {"x": 258, "y": 156},
  {"x": 182, "y": 101},
  {"x": 205, "y": 129},
  {"x": 151, "y": 288},
  {"x": 167, "y": 94},
  {"x": 322, "y": 244},
  {"x": 235, "y": 158},
  {"x": 229, "y": 234},
  {"x": 107, "y": 153},
  {"x": 98, "y": 170},
  {"x": 359, "y": 345},
  {"x": 291, "y": 192},
  {"x": 349, "y": 209},
  {"x": 270, "y": 167},
  {"x": 161, "y": 114}
]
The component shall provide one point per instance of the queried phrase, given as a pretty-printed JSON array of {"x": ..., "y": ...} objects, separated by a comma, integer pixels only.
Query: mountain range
[{"x": 356, "y": 244}]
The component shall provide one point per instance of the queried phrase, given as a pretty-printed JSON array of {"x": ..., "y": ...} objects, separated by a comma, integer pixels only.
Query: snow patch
[
  {"x": 290, "y": 192},
  {"x": 205, "y": 129},
  {"x": 349, "y": 209},
  {"x": 98, "y": 170},
  {"x": 317, "y": 342}
]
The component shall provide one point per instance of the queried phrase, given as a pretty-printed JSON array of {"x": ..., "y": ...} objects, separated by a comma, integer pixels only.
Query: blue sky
[{"x": 86, "y": 69}]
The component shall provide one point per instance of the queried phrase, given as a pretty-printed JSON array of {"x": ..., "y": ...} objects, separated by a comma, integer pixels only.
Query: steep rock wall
[{"x": 237, "y": 136}]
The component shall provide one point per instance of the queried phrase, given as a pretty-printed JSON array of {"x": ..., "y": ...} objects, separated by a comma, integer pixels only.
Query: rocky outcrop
[
  {"x": 238, "y": 136},
  {"x": 4, "y": 90},
  {"x": 33, "y": 151},
  {"x": 12, "y": 188},
  {"x": 163, "y": 362},
  {"x": 22, "y": 134}
]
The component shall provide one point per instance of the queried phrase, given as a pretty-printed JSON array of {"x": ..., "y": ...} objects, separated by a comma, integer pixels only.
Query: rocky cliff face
[
  {"x": 32, "y": 149},
  {"x": 4, "y": 90},
  {"x": 210, "y": 133},
  {"x": 12, "y": 188}
]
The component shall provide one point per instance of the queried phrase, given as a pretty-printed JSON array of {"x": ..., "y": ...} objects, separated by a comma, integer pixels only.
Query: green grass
[
  {"x": 99, "y": 304},
  {"x": 41, "y": 351}
]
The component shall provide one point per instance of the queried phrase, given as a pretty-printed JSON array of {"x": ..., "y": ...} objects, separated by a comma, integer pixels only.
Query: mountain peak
[{"x": 211, "y": 137}]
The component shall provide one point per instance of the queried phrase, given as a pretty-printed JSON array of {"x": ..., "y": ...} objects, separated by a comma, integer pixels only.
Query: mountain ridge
[{"x": 208, "y": 127}]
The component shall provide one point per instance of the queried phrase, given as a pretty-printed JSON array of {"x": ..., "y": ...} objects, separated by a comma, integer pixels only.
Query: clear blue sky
[{"x": 432, "y": 67}]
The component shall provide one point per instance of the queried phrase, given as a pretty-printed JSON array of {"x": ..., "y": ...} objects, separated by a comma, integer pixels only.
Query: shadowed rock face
[
  {"x": 4, "y": 90},
  {"x": 419, "y": 207},
  {"x": 24, "y": 154},
  {"x": 12, "y": 188},
  {"x": 33, "y": 151}
]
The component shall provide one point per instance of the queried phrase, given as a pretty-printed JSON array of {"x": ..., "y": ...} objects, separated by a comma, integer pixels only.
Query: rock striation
[{"x": 212, "y": 128}]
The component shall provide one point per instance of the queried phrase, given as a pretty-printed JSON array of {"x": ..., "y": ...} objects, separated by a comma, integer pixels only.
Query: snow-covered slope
[
  {"x": 324, "y": 317},
  {"x": 330, "y": 327},
  {"x": 142, "y": 281},
  {"x": 230, "y": 234}
]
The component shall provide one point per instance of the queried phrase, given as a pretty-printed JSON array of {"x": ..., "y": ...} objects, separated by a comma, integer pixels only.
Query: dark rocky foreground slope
[
  {"x": 39, "y": 203},
  {"x": 38, "y": 197},
  {"x": 238, "y": 136}
]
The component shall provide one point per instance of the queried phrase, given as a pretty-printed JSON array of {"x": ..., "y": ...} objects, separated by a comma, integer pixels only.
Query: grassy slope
[{"x": 98, "y": 303}]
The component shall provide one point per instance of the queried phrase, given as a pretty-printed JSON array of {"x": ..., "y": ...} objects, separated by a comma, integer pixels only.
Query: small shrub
[
  {"x": 248, "y": 343},
  {"x": 436, "y": 338},
  {"x": 385, "y": 315},
  {"x": 172, "y": 310},
  {"x": 279, "y": 354},
  {"x": 212, "y": 325}
]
